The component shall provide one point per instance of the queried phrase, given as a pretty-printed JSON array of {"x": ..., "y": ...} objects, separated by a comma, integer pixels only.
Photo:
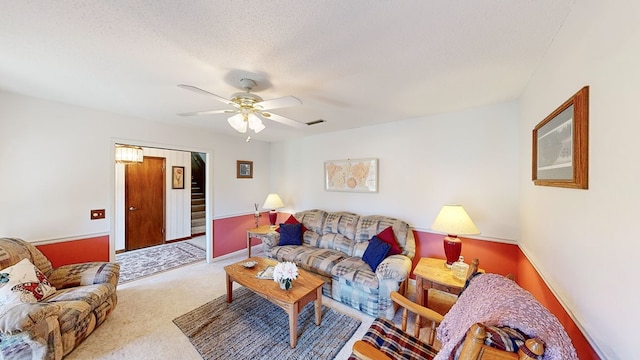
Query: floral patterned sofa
[
  {"x": 47, "y": 317},
  {"x": 333, "y": 246}
]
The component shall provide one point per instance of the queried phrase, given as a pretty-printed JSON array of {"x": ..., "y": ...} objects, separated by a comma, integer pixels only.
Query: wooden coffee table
[{"x": 306, "y": 288}]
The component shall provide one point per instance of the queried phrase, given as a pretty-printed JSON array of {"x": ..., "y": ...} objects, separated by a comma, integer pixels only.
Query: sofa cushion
[
  {"x": 320, "y": 261},
  {"x": 292, "y": 220},
  {"x": 343, "y": 223},
  {"x": 371, "y": 225},
  {"x": 288, "y": 253},
  {"x": 72, "y": 313},
  {"x": 356, "y": 273},
  {"x": 376, "y": 251},
  {"x": 290, "y": 234},
  {"x": 335, "y": 242},
  {"x": 22, "y": 283},
  {"x": 93, "y": 295},
  {"x": 312, "y": 219},
  {"x": 385, "y": 336},
  {"x": 388, "y": 237}
]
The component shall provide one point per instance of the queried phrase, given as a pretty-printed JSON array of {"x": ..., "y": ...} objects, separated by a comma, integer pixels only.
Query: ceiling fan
[{"x": 249, "y": 108}]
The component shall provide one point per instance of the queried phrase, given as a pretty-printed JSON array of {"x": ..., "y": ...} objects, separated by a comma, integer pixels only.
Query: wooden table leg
[
  {"x": 318, "y": 306},
  {"x": 248, "y": 245},
  {"x": 419, "y": 291},
  {"x": 293, "y": 324},
  {"x": 229, "y": 288},
  {"x": 420, "y": 298}
]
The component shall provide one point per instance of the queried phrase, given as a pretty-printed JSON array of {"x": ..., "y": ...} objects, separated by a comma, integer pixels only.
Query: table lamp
[
  {"x": 272, "y": 203},
  {"x": 453, "y": 220}
]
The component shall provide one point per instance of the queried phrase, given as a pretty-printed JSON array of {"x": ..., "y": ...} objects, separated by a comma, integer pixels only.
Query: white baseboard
[{"x": 256, "y": 250}]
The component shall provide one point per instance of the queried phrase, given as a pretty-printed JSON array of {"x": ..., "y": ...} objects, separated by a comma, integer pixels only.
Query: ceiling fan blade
[
  {"x": 208, "y": 112},
  {"x": 285, "y": 101},
  {"x": 205, "y": 92},
  {"x": 283, "y": 120}
]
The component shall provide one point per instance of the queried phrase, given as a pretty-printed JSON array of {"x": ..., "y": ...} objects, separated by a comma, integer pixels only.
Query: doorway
[
  {"x": 177, "y": 219},
  {"x": 145, "y": 203}
]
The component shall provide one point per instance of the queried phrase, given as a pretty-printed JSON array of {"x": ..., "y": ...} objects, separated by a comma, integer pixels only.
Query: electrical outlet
[{"x": 97, "y": 214}]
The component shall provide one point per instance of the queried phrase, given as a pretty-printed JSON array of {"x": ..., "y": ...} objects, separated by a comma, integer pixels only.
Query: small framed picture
[
  {"x": 177, "y": 178},
  {"x": 244, "y": 169}
]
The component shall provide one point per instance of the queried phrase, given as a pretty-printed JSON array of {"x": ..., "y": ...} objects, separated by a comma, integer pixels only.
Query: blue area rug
[{"x": 253, "y": 328}]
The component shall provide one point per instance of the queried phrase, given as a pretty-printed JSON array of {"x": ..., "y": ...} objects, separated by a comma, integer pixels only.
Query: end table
[
  {"x": 432, "y": 273},
  {"x": 259, "y": 233}
]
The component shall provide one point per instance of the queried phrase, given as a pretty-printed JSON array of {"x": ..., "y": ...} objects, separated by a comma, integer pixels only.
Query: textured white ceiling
[{"x": 353, "y": 63}]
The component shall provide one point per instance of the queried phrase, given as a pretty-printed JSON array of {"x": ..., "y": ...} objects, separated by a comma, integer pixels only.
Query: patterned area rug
[
  {"x": 254, "y": 328},
  {"x": 144, "y": 262}
]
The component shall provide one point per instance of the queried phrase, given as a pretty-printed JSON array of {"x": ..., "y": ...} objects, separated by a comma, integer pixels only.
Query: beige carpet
[{"x": 141, "y": 325}]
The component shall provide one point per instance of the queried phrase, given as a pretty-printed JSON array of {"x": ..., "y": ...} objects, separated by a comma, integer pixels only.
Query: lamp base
[
  {"x": 273, "y": 216},
  {"x": 452, "y": 249}
]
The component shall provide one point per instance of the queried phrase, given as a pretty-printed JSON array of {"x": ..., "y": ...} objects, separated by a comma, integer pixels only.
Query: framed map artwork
[{"x": 353, "y": 175}]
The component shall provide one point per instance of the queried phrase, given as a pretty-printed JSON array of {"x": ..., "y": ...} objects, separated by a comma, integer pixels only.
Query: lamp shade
[
  {"x": 238, "y": 122},
  {"x": 128, "y": 154},
  {"x": 255, "y": 123},
  {"x": 454, "y": 220},
  {"x": 273, "y": 202}
]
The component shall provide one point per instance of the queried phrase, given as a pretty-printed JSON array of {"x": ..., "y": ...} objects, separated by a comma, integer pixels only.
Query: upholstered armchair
[{"x": 47, "y": 312}]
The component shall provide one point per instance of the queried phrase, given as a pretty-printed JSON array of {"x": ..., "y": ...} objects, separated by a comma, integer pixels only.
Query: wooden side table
[
  {"x": 259, "y": 233},
  {"x": 433, "y": 274}
]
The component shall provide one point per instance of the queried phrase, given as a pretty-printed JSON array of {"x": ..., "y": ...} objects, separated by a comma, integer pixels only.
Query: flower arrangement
[{"x": 284, "y": 273}]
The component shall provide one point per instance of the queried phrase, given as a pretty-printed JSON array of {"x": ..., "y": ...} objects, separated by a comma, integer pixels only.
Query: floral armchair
[{"x": 47, "y": 312}]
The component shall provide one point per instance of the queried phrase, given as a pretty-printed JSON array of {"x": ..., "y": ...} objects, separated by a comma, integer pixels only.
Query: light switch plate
[{"x": 97, "y": 214}]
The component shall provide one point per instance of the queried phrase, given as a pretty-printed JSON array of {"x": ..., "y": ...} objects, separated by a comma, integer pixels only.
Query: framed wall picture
[
  {"x": 177, "y": 177},
  {"x": 353, "y": 175},
  {"x": 561, "y": 145},
  {"x": 244, "y": 169}
]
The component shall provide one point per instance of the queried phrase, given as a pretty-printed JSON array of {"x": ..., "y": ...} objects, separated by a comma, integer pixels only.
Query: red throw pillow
[
  {"x": 389, "y": 237},
  {"x": 293, "y": 220}
]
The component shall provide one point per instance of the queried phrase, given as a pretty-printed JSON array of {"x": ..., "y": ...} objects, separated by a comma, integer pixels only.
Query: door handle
[{"x": 131, "y": 208}]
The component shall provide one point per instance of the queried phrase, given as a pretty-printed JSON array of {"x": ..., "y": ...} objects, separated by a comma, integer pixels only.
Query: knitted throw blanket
[{"x": 493, "y": 299}]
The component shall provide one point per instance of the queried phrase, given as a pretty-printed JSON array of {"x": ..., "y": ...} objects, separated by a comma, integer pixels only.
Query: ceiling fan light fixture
[
  {"x": 237, "y": 122},
  {"x": 255, "y": 123},
  {"x": 247, "y": 107}
]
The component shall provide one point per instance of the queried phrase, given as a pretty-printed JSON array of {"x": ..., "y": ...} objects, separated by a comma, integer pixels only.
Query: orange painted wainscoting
[
  {"x": 529, "y": 278},
  {"x": 501, "y": 258},
  {"x": 77, "y": 251}
]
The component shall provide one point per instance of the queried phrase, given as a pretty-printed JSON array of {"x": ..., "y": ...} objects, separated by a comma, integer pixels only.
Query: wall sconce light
[{"x": 129, "y": 154}]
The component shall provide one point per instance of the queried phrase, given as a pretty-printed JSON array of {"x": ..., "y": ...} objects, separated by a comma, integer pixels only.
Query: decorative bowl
[{"x": 249, "y": 264}]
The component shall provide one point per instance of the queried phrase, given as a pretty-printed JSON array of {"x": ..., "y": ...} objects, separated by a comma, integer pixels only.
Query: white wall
[
  {"x": 467, "y": 157},
  {"x": 581, "y": 240},
  {"x": 57, "y": 164}
]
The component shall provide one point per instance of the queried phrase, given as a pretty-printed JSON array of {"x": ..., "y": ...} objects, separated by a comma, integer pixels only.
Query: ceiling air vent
[{"x": 314, "y": 122}]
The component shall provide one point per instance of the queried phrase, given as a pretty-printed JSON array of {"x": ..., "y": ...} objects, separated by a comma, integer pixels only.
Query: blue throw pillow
[
  {"x": 290, "y": 234},
  {"x": 376, "y": 252}
]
